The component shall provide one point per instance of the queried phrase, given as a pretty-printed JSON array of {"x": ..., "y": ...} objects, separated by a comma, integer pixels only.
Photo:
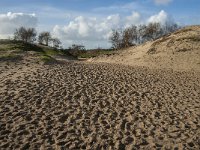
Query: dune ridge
[{"x": 178, "y": 51}]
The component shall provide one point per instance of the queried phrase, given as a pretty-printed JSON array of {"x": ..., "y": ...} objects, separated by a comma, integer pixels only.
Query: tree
[
  {"x": 129, "y": 36},
  {"x": 134, "y": 30},
  {"x": 154, "y": 31},
  {"x": 169, "y": 28},
  {"x": 77, "y": 50},
  {"x": 44, "y": 38},
  {"x": 115, "y": 39},
  {"x": 77, "y": 47},
  {"x": 25, "y": 34},
  {"x": 141, "y": 33},
  {"x": 56, "y": 42}
]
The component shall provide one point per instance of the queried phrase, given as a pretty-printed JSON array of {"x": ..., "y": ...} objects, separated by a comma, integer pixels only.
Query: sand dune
[
  {"x": 178, "y": 51},
  {"x": 98, "y": 106}
]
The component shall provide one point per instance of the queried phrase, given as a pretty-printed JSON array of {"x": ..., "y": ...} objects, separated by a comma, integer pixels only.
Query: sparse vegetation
[
  {"x": 95, "y": 53},
  {"x": 139, "y": 34},
  {"x": 44, "y": 38},
  {"x": 152, "y": 50},
  {"x": 47, "y": 59},
  {"x": 27, "y": 35},
  {"x": 192, "y": 38},
  {"x": 183, "y": 50},
  {"x": 9, "y": 49},
  {"x": 79, "y": 51},
  {"x": 182, "y": 31},
  {"x": 10, "y": 57},
  {"x": 55, "y": 42}
]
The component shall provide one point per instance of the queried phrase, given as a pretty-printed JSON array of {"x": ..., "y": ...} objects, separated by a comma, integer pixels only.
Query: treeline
[
  {"x": 29, "y": 35},
  {"x": 79, "y": 51},
  {"x": 120, "y": 38},
  {"x": 123, "y": 38}
]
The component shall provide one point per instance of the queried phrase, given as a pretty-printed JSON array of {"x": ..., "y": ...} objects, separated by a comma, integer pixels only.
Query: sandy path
[{"x": 88, "y": 106}]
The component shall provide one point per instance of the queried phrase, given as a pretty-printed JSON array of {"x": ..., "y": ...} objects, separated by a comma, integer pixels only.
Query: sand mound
[
  {"x": 19, "y": 52},
  {"x": 179, "y": 51}
]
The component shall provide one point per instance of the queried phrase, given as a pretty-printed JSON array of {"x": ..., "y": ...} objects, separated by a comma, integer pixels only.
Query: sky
[{"x": 90, "y": 22}]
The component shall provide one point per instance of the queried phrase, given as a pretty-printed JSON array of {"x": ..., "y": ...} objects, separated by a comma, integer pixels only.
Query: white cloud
[
  {"x": 162, "y": 17},
  {"x": 83, "y": 29},
  {"x": 93, "y": 32},
  {"x": 135, "y": 19},
  {"x": 89, "y": 31},
  {"x": 10, "y": 21},
  {"x": 162, "y": 2}
]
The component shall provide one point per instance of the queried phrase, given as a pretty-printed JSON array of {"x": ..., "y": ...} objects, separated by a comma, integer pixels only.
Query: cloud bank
[
  {"x": 93, "y": 32},
  {"x": 89, "y": 31},
  {"x": 10, "y": 21}
]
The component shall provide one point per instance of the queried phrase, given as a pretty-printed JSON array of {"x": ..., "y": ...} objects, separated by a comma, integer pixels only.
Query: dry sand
[
  {"x": 98, "y": 106},
  {"x": 178, "y": 51}
]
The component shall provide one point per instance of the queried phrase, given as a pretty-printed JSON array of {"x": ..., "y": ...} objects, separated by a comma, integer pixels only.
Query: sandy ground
[
  {"x": 178, "y": 51},
  {"x": 97, "y": 106}
]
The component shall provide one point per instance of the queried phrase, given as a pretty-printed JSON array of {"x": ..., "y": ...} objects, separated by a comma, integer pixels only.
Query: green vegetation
[
  {"x": 79, "y": 51},
  {"x": 10, "y": 48},
  {"x": 47, "y": 59},
  {"x": 94, "y": 53},
  {"x": 6, "y": 45},
  {"x": 9, "y": 57},
  {"x": 46, "y": 53}
]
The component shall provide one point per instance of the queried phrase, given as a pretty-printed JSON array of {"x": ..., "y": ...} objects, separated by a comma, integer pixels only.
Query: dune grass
[
  {"x": 47, "y": 59},
  {"x": 10, "y": 57},
  {"x": 95, "y": 53},
  {"x": 45, "y": 53}
]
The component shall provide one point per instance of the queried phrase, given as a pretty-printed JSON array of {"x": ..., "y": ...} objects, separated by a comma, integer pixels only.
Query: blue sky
[{"x": 89, "y": 22}]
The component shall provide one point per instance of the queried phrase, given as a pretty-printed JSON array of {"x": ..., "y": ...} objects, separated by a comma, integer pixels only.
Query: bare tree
[
  {"x": 142, "y": 33},
  {"x": 31, "y": 35},
  {"x": 169, "y": 28},
  {"x": 124, "y": 38},
  {"x": 129, "y": 36},
  {"x": 44, "y": 38},
  {"x": 134, "y": 30},
  {"x": 115, "y": 39},
  {"x": 56, "y": 42},
  {"x": 25, "y": 34}
]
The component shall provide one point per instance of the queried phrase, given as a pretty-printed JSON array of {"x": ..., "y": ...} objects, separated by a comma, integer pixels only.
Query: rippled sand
[{"x": 98, "y": 106}]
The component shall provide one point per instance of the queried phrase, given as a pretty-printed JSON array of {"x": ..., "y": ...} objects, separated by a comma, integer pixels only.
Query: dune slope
[{"x": 178, "y": 51}]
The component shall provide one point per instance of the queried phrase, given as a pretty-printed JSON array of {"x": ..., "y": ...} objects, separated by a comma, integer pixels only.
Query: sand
[
  {"x": 98, "y": 106},
  {"x": 178, "y": 51}
]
